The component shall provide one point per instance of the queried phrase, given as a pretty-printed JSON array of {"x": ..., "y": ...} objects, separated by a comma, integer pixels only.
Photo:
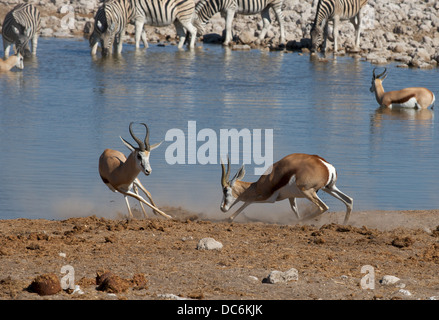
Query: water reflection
[{"x": 422, "y": 117}]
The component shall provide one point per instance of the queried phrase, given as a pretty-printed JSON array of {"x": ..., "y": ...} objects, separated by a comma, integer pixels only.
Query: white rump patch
[
  {"x": 332, "y": 173},
  {"x": 411, "y": 103}
]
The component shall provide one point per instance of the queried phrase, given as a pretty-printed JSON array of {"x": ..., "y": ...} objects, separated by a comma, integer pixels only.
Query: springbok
[
  {"x": 416, "y": 97},
  {"x": 120, "y": 173},
  {"x": 12, "y": 61},
  {"x": 295, "y": 176}
]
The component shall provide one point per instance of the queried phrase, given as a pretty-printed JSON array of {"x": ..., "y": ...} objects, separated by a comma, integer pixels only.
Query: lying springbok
[
  {"x": 416, "y": 97},
  {"x": 295, "y": 176},
  {"x": 120, "y": 173},
  {"x": 12, "y": 61}
]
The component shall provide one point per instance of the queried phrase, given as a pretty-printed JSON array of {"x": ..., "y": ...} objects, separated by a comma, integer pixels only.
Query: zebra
[
  {"x": 110, "y": 21},
  {"x": 21, "y": 25},
  {"x": 161, "y": 13},
  {"x": 113, "y": 16},
  {"x": 335, "y": 10},
  {"x": 205, "y": 9}
]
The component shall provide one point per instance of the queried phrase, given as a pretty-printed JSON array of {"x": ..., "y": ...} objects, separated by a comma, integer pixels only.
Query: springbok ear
[
  {"x": 385, "y": 76},
  {"x": 154, "y": 146},
  {"x": 239, "y": 175},
  {"x": 127, "y": 144}
]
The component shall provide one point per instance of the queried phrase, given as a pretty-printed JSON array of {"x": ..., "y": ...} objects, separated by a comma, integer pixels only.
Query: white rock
[
  {"x": 209, "y": 244},
  {"x": 276, "y": 276},
  {"x": 405, "y": 292},
  {"x": 389, "y": 280},
  {"x": 170, "y": 296}
]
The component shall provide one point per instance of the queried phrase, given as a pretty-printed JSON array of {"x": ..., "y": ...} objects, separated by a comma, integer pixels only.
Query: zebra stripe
[
  {"x": 110, "y": 22},
  {"x": 113, "y": 16},
  {"x": 21, "y": 25},
  {"x": 161, "y": 13},
  {"x": 205, "y": 9},
  {"x": 335, "y": 10}
]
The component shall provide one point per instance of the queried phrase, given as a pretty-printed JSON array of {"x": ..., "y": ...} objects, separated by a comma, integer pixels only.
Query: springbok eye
[{"x": 139, "y": 157}]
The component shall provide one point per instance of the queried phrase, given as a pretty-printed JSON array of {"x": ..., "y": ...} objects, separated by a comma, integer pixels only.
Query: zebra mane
[
  {"x": 17, "y": 14},
  {"x": 317, "y": 15}
]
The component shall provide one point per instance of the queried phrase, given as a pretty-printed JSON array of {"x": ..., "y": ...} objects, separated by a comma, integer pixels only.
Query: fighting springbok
[
  {"x": 416, "y": 97},
  {"x": 295, "y": 176},
  {"x": 12, "y": 61},
  {"x": 120, "y": 173}
]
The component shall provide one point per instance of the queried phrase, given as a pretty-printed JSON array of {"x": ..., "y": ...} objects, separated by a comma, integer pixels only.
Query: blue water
[{"x": 60, "y": 112}]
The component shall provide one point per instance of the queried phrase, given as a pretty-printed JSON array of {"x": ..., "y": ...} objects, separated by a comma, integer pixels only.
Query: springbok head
[
  {"x": 229, "y": 196},
  {"x": 377, "y": 79},
  {"x": 141, "y": 153}
]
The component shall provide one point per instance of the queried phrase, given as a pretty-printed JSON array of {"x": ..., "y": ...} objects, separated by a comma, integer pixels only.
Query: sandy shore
[{"x": 163, "y": 254}]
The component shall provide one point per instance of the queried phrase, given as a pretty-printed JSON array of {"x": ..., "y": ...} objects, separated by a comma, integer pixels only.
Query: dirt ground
[{"x": 163, "y": 254}]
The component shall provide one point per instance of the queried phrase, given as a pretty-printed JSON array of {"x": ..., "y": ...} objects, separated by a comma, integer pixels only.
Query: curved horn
[
  {"x": 146, "y": 141},
  {"x": 225, "y": 175},
  {"x": 374, "y": 76},
  {"x": 381, "y": 74},
  {"x": 139, "y": 142}
]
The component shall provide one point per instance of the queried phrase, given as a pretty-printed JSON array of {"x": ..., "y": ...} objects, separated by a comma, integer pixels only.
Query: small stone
[
  {"x": 389, "y": 280},
  {"x": 390, "y": 37},
  {"x": 209, "y": 244},
  {"x": 405, "y": 292},
  {"x": 241, "y": 47},
  {"x": 276, "y": 276}
]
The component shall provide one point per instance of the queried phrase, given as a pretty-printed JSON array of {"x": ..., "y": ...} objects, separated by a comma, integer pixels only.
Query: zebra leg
[
  {"x": 181, "y": 33},
  {"x": 280, "y": 19},
  {"x": 144, "y": 39},
  {"x": 118, "y": 42},
  {"x": 34, "y": 44},
  {"x": 230, "y": 13},
  {"x": 140, "y": 33},
  {"x": 265, "y": 14},
  {"x": 193, "y": 31},
  {"x": 335, "y": 33},
  {"x": 325, "y": 36},
  {"x": 356, "y": 21},
  {"x": 94, "y": 49}
]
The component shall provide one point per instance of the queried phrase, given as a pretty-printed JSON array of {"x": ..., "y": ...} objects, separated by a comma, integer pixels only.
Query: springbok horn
[
  {"x": 381, "y": 74},
  {"x": 146, "y": 141},
  {"x": 374, "y": 76},
  {"x": 225, "y": 175},
  {"x": 139, "y": 142}
]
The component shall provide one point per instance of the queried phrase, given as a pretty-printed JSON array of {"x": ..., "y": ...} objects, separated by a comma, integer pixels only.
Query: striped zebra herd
[
  {"x": 294, "y": 176},
  {"x": 23, "y": 23}
]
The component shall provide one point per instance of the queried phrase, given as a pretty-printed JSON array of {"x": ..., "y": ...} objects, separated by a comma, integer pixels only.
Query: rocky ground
[
  {"x": 405, "y": 31},
  {"x": 379, "y": 255}
]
